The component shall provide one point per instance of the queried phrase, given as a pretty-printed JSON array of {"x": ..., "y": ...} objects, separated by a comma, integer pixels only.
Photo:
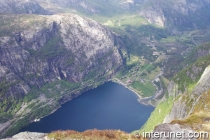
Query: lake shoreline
[
  {"x": 115, "y": 94},
  {"x": 131, "y": 89},
  {"x": 80, "y": 92}
]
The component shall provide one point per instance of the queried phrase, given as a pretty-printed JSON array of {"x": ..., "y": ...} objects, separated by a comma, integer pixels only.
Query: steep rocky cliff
[
  {"x": 190, "y": 111},
  {"x": 186, "y": 102},
  {"x": 47, "y": 60},
  {"x": 186, "y": 14}
]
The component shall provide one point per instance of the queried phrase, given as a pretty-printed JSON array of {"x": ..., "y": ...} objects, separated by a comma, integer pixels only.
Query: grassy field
[{"x": 145, "y": 89}]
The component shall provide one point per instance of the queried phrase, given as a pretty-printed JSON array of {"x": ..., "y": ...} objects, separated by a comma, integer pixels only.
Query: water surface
[{"x": 110, "y": 106}]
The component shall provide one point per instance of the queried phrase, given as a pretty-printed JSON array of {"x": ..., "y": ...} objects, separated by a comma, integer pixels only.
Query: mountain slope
[
  {"x": 190, "y": 111},
  {"x": 183, "y": 14},
  {"x": 184, "y": 93},
  {"x": 47, "y": 60},
  {"x": 21, "y": 6}
]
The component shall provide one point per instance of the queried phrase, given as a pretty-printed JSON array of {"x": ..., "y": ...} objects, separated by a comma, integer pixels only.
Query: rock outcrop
[
  {"x": 185, "y": 104},
  {"x": 190, "y": 111},
  {"x": 203, "y": 84},
  {"x": 170, "y": 132},
  {"x": 28, "y": 136}
]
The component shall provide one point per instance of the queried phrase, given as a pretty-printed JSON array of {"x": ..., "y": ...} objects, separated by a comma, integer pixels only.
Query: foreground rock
[
  {"x": 171, "y": 130},
  {"x": 70, "y": 134},
  {"x": 28, "y": 136}
]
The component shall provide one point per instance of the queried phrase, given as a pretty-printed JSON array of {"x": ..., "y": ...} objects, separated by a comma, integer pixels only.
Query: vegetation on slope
[
  {"x": 93, "y": 135},
  {"x": 142, "y": 39},
  {"x": 39, "y": 102},
  {"x": 158, "y": 115},
  {"x": 187, "y": 78},
  {"x": 40, "y": 90},
  {"x": 200, "y": 117},
  {"x": 195, "y": 53},
  {"x": 9, "y": 26}
]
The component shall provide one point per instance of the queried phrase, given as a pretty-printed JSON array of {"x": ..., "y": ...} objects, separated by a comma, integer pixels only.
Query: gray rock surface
[
  {"x": 180, "y": 13},
  {"x": 204, "y": 83},
  {"x": 28, "y": 136},
  {"x": 183, "y": 107},
  {"x": 173, "y": 132},
  {"x": 78, "y": 43}
]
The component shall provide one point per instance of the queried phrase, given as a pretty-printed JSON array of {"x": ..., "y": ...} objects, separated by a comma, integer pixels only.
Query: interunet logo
[{"x": 173, "y": 135}]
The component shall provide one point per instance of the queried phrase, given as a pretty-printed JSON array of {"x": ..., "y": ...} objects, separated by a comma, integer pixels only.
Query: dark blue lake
[{"x": 110, "y": 106}]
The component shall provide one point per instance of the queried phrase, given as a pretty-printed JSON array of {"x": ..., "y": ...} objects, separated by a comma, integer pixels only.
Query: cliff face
[
  {"x": 185, "y": 104},
  {"x": 57, "y": 55},
  {"x": 190, "y": 111},
  {"x": 60, "y": 47},
  {"x": 182, "y": 13},
  {"x": 190, "y": 83}
]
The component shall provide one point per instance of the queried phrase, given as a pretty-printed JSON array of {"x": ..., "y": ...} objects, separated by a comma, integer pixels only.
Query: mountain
[
  {"x": 47, "y": 60},
  {"x": 190, "y": 111},
  {"x": 152, "y": 46},
  {"x": 21, "y": 6},
  {"x": 183, "y": 14},
  {"x": 186, "y": 106}
]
